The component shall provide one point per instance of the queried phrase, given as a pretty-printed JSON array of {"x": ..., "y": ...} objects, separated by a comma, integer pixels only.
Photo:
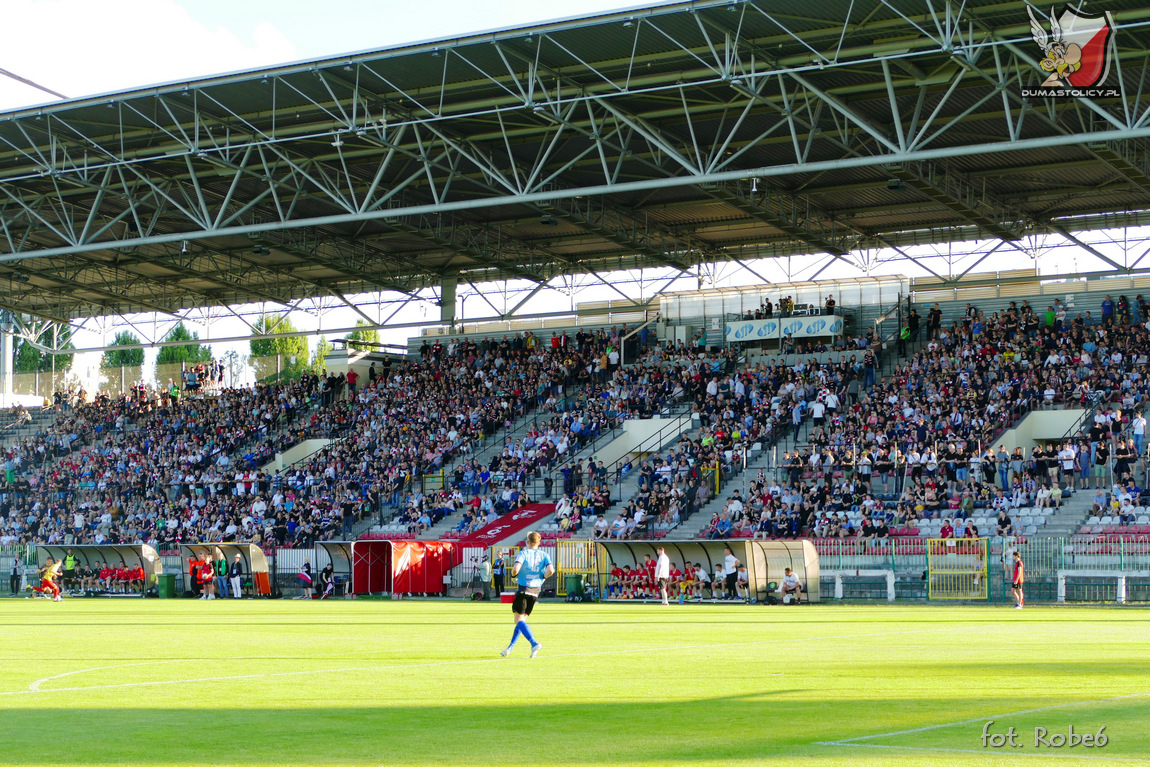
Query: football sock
[
  {"x": 515, "y": 634},
  {"x": 525, "y": 630}
]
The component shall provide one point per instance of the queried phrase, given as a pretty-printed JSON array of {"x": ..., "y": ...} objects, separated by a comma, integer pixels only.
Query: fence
[
  {"x": 1045, "y": 559},
  {"x": 26, "y": 555},
  {"x": 1089, "y": 568}
]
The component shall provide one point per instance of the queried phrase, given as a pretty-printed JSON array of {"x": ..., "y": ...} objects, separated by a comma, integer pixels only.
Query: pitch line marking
[
  {"x": 35, "y": 686},
  {"x": 854, "y": 740},
  {"x": 432, "y": 664}
]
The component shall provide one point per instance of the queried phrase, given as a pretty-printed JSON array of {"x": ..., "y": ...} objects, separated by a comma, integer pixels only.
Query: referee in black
[{"x": 17, "y": 574}]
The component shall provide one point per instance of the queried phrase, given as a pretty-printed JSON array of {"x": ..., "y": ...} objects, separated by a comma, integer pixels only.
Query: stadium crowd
[
  {"x": 166, "y": 467},
  {"x": 917, "y": 445}
]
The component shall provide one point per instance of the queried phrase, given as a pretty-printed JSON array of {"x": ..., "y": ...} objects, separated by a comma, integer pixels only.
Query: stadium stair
[
  {"x": 491, "y": 447},
  {"x": 1070, "y": 517},
  {"x": 691, "y": 528},
  {"x": 449, "y": 523}
]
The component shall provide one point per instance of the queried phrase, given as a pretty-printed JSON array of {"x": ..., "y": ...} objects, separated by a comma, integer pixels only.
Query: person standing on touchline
[
  {"x": 663, "y": 573},
  {"x": 532, "y": 568}
]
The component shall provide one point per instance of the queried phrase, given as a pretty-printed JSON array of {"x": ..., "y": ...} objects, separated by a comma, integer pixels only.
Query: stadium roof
[{"x": 667, "y": 136}]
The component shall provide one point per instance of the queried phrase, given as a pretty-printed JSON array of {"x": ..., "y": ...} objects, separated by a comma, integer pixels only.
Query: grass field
[{"x": 420, "y": 683}]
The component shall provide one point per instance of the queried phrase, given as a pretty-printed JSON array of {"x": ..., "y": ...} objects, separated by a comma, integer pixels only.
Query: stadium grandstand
[
  {"x": 867, "y": 284},
  {"x": 777, "y": 372}
]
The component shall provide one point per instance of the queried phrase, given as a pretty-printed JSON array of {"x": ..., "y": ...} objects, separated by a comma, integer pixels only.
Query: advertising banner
[{"x": 778, "y": 327}]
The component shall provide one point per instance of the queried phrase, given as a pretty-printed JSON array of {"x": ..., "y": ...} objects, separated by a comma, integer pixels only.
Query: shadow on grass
[
  {"x": 227, "y": 732},
  {"x": 237, "y": 729}
]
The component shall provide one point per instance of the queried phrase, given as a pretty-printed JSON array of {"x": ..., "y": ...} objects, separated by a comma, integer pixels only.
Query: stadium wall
[
  {"x": 294, "y": 454},
  {"x": 1040, "y": 425},
  {"x": 637, "y": 433}
]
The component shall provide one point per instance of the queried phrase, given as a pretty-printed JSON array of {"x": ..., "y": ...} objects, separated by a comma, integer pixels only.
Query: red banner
[{"x": 508, "y": 525}]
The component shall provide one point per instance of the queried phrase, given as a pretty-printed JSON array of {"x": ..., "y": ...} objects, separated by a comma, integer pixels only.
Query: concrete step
[
  {"x": 1070, "y": 516},
  {"x": 690, "y": 528}
]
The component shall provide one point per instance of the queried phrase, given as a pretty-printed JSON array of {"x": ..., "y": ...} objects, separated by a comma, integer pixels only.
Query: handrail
[
  {"x": 645, "y": 446},
  {"x": 623, "y": 340}
]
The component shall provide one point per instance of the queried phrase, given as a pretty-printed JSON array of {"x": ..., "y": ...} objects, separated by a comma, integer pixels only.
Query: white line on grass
[
  {"x": 307, "y": 672},
  {"x": 35, "y": 686},
  {"x": 854, "y": 740}
]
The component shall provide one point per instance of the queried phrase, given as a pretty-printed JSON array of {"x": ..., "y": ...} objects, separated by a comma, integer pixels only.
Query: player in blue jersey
[{"x": 532, "y": 567}]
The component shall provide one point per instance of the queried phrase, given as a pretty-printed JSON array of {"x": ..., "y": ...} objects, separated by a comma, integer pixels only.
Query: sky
[
  {"x": 87, "y": 47},
  {"x": 83, "y": 47}
]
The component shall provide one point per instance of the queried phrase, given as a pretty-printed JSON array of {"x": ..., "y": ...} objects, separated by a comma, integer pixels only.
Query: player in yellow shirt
[{"x": 49, "y": 574}]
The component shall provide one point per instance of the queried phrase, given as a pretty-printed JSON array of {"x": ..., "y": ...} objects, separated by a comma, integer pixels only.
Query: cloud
[{"x": 81, "y": 48}]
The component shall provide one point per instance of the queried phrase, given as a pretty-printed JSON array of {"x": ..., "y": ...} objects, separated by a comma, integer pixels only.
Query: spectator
[
  {"x": 236, "y": 576},
  {"x": 792, "y": 586}
]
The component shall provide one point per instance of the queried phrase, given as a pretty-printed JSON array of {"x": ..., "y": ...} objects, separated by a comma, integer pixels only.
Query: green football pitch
[{"x": 420, "y": 683}]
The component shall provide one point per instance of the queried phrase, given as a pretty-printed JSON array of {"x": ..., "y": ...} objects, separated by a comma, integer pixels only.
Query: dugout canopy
[
  {"x": 117, "y": 555},
  {"x": 255, "y": 562},
  {"x": 400, "y": 567},
  {"x": 766, "y": 561}
]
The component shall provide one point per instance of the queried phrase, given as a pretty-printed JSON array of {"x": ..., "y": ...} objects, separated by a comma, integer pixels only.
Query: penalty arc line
[
  {"x": 432, "y": 664},
  {"x": 35, "y": 686}
]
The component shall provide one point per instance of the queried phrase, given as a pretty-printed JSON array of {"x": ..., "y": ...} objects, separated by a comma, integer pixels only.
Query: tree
[
  {"x": 128, "y": 358},
  {"x": 191, "y": 353},
  {"x": 271, "y": 356},
  {"x": 235, "y": 364},
  {"x": 369, "y": 334},
  {"x": 319, "y": 357},
  {"x": 29, "y": 359},
  {"x": 121, "y": 367}
]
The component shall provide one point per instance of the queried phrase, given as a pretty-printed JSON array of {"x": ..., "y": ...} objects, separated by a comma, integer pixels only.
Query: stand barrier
[
  {"x": 574, "y": 558},
  {"x": 838, "y": 575}
]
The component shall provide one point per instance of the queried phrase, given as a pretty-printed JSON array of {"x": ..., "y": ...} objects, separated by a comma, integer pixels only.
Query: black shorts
[
  {"x": 664, "y": 583},
  {"x": 524, "y": 603},
  {"x": 1016, "y": 585}
]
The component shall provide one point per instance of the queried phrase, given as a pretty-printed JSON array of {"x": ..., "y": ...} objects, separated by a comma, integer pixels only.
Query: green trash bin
[
  {"x": 166, "y": 586},
  {"x": 574, "y": 585}
]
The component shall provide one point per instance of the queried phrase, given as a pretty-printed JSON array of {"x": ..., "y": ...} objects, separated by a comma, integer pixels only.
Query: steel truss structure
[{"x": 676, "y": 137}]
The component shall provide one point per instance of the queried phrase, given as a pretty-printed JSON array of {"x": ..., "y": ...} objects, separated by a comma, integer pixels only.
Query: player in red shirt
[
  {"x": 649, "y": 577},
  {"x": 616, "y": 582},
  {"x": 676, "y": 579},
  {"x": 638, "y": 578},
  {"x": 1017, "y": 582},
  {"x": 105, "y": 578}
]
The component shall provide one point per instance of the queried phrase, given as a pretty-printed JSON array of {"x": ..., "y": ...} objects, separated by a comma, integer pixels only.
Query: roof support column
[
  {"x": 447, "y": 300},
  {"x": 7, "y": 360}
]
